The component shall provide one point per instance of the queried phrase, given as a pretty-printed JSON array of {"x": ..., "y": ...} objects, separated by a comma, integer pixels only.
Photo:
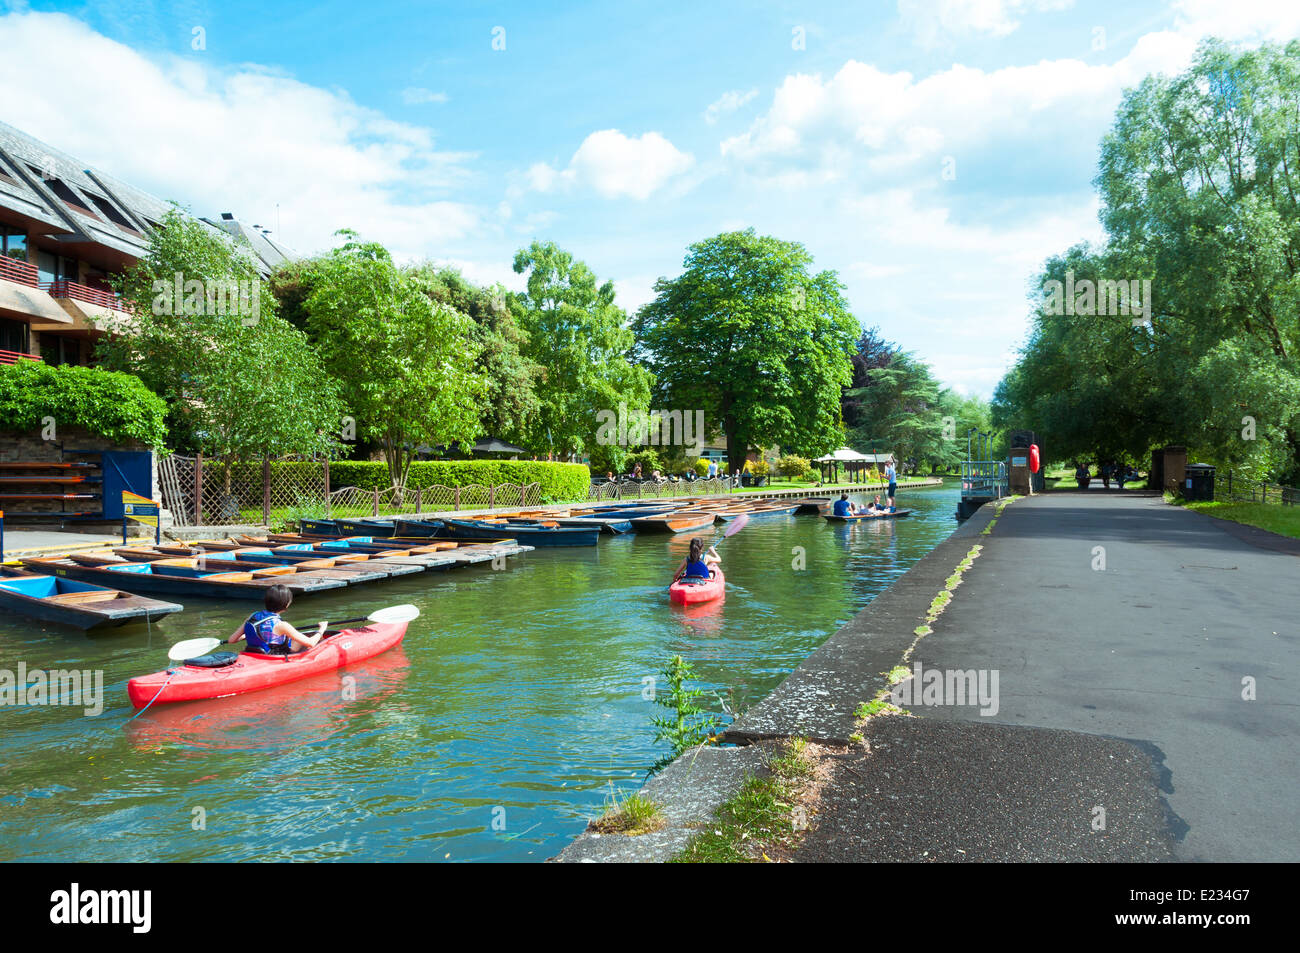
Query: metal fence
[
  {"x": 201, "y": 491},
  {"x": 1228, "y": 489},
  {"x": 631, "y": 490}
]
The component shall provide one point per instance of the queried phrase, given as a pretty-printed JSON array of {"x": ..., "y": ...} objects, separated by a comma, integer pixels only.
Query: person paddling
[
  {"x": 698, "y": 564},
  {"x": 266, "y": 633}
]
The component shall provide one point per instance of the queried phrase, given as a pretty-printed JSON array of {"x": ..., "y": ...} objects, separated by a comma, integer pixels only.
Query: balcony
[
  {"x": 96, "y": 296},
  {"x": 17, "y": 271},
  {"x": 13, "y": 357}
]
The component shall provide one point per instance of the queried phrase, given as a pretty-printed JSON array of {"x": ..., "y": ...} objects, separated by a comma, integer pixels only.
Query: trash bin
[{"x": 1198, "y": 484}]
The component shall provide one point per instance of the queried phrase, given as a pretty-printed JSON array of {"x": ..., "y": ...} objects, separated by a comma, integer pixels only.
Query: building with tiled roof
[{"x": 64, "y": 230}]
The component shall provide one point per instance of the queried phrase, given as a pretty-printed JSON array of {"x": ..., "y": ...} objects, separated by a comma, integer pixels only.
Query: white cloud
[
  {"x": 416, "y": 96},
  {"x": 246, "y": 139},
  {"x": 615, "y": 165},
  {"x": 728, "y": 102},
  {"x": 934, "y": 20}
]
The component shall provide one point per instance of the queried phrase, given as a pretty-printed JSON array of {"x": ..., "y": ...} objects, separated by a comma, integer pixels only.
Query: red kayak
[
  {"x": 252, "y": 671},
  {"x": 689, "y": 592}
]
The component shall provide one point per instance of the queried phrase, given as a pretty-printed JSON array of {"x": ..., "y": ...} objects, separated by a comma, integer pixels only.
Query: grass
[
  {"x": 636, "y": 814},
  {"x": 1283, "y": 520},
  {"x": 759, "y": 818}
]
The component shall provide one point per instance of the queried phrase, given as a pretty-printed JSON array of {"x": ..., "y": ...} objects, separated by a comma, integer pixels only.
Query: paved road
[{"x": 1152, "y": 648}]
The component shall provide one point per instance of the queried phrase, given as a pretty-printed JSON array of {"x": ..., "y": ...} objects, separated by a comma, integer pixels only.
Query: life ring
[{"x": 1034, "y": 462}]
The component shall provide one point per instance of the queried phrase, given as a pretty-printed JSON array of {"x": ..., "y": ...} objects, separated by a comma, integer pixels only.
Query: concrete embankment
[
  {"x": 1143, "y": 710},
  {"x": 816, "y": 701}
]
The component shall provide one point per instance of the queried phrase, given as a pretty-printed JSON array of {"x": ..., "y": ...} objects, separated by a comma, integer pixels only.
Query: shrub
[
  {"x": 812, "y": 476},
  {"x": 559, "y": 481},
  {"x": 792, "y": 466},
  {"x": 112, "y": 404},
  {"x": 649, "y": 460},
  {"x": 702, "y": 467},
  {"x": 758, "y": 468}
]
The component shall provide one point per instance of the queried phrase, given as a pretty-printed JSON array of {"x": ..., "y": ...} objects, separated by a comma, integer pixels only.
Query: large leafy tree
[
  {"x": 408, "y": 364},
  {"x": 578, "y": 337},
  {"x": 510, "y": 405},
  {"x": 748, "y": 334},
  {"x": 1199, "y": 180},
  {"x": 204, "y": 335}
]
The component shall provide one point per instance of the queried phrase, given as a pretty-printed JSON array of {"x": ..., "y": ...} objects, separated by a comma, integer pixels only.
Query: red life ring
[{"x": 1033, "y": 458}]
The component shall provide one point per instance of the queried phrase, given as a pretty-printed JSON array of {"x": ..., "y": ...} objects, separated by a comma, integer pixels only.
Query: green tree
[
  {"x": 407, "y": 364},
  {"x": 577, "y": 335},
  {"x": 748, "y": 335},
  {"x": 1198, "y": 181},
  {"x": 510, "y": 405},
  {"x": 239, "y": 381}
]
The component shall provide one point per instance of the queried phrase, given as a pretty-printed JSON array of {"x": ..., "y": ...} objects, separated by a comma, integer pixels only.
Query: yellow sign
[{"x": 139, "y": 508}]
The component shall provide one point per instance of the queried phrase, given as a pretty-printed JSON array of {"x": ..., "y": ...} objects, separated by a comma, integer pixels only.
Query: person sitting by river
[
  {"x": 267, "y": 633},
  {"x": 698, "y": 564},
  {"x": 843, "y": 507}
]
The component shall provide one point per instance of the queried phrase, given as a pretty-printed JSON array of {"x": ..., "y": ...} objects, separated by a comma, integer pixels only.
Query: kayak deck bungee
[
  {"x": 252, "y": 671},
  {"x": 81, "y": 605},
  {"x": 691, "y": 590},
  {"x": 865, "y": 517}
]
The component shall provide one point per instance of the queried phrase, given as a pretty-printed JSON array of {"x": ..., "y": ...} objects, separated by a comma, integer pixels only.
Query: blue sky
[{"x": 933, "y": 153}]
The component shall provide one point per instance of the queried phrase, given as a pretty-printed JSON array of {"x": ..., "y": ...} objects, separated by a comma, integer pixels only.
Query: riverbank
[{"x": 1107, "y": 617}]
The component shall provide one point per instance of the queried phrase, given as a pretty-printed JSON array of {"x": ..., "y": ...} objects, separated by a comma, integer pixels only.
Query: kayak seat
[{"x": 214, "y": 660}]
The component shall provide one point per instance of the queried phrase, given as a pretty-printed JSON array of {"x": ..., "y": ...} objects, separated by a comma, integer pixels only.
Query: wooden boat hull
[
  {"x": 673, "y": 523},
  {"x": 866, "y": 518},
  {"x": 141, "y": 577},
  {"x": 531, "y": 535},
  {"x": 81, "y": 605}
]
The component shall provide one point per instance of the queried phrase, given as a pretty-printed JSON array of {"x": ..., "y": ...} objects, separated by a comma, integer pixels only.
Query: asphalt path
[{"x": 1118, "y": 615}]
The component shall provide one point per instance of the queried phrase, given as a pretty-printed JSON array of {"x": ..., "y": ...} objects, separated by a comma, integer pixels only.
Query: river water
[{"x": 506, "y": 719}]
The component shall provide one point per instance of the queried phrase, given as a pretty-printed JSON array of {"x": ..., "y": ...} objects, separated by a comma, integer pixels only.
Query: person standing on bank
[{"x": 892, "y": 476}]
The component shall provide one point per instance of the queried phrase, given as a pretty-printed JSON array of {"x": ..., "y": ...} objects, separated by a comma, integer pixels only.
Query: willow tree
[{"x": 748, "y": 334}]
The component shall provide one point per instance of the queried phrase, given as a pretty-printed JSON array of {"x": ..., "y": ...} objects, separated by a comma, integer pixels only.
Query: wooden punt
[
  {"x": 263, "y": 562},
  {"x": 148, "y": 577},
  {"x": 531, "y": 534},
  {"x": 866, "y": 517},
  {"x": 673, "y": 523},
  {"x": 81, "y": 605}
]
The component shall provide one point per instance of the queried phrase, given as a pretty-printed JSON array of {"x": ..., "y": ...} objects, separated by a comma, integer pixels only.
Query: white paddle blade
[
  {"x": 191, "y": 648},
  {"x": 392, "y": 614}
]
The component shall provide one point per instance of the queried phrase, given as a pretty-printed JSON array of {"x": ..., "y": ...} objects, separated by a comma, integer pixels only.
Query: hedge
[
  {"x": 108, "y": 403},
  {"x": 559, "y": 481}
]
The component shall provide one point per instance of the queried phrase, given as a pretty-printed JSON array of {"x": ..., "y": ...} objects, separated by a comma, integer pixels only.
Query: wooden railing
[
  {"x": 70, "y": 289},
  {"x": 13, "y": 357},
  {"x": 16, "y": 270}
]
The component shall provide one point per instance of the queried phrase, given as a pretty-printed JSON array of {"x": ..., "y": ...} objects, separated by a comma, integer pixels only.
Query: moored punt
[
  {"x": 532, "y": 535},
  {"x": 865, "y": 517},
  {"x": 149, "y": 577},
  {"x": 449, "y": 552},
  {"x": 344, "y": 560},
  {"x": 673, "y": 523},
  {"x": 81, "y": 605},
  {"x": 813, "y": 504},
  {"x": 263, "y": 563}
]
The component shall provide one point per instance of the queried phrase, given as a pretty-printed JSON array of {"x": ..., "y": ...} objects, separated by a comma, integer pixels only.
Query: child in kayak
[
  {"x": 266, "y": 633},
  {"x": 698, "y": 564}
]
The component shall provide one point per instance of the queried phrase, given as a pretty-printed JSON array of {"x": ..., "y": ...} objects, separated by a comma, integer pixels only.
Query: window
[
  {"x": 55, "y": 267},
  {"x": 14, "y": 335},
  {"x": 110, "y": 212},
  {"x": 63, "y": 191},
  {"x": 56, "y": 350},
  {"x": 13, "y": 243}
]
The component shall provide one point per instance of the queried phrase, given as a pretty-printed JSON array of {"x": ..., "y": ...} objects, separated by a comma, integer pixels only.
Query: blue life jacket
[
  {"x": 698, "y": 568},
  {"x": 259, "y": 632},
  {"x": 842, "y": 508}
]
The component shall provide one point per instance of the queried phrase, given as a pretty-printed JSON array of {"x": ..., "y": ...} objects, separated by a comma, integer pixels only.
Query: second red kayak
[
  {"x": 251, "y": 671},
  {"x": 691, "y": 591}
]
